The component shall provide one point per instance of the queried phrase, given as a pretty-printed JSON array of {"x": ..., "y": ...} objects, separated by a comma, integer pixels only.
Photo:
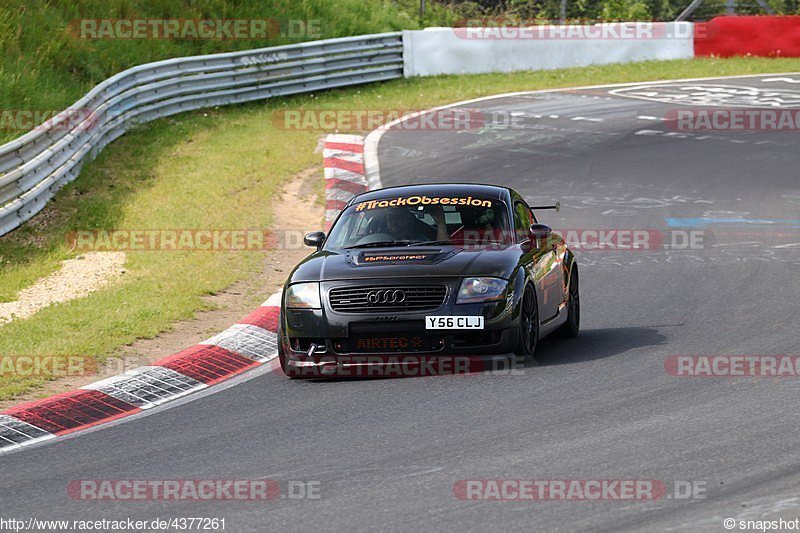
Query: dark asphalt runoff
[{"x": 386, "y": 454}]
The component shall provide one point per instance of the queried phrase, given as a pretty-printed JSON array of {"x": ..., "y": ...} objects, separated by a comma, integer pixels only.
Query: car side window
[{"x": 523, "y": 218}]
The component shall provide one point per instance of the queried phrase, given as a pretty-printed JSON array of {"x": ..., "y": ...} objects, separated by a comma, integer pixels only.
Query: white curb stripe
[
  {"x": 344, "y": 155},
  {"x": 247, "y": 340},
  {"x": 15, "y": 433},
  {"x": 339, "y": 194},
  {"x": 345, "y": 175},
  {"x": 344, "y": 138},
  {"x": 274, "y": 300},
  {"x": 148, "y": 386}
]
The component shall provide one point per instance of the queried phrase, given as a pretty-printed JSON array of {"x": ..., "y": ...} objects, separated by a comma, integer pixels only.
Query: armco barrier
[
  {"x": 250, "y": 343},
  {"x": 470, "y": 51},
  {"x": 767, "y": 36},
  {"x": 35, "y": 166}
]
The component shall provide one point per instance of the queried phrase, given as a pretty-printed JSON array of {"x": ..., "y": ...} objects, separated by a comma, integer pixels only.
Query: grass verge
[
  {"x": 220, "y": 168},
  {"x": 46, "y": 63}
]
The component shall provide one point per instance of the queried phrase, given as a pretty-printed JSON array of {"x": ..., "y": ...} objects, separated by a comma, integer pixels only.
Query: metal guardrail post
[{"x": 690, "y": 9}]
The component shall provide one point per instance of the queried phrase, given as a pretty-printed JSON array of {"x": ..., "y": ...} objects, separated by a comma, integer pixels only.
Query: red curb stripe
[
  {"x": 339, "y": 161},
  {"x": 343, "y": 164},
  {"x": 345, "y": 185},
  {"x": 71, "y": 411},
  {"x": 345, "y": 147},
  {"x": 335, "y": 204},
  {"x": 266, "y": 317},
  {"x": 207, "y": 363}
]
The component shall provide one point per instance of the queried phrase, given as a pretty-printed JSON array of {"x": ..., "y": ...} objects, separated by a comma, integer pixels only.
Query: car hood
[{"x": 444, "y": 261}]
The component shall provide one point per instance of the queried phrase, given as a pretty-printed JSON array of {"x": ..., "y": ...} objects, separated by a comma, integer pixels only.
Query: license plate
[{"x": 453, "y": 322}]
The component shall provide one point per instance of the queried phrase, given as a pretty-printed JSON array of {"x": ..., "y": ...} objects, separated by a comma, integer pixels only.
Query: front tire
[{"x": 528, "y": 326}]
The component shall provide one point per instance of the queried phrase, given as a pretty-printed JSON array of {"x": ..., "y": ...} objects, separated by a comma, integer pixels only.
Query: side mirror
[
  {"x": 314, "y": 239},
  {"x": 540, "y": 232}
]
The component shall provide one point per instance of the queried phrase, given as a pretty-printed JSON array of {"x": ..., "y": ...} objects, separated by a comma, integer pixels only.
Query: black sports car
[{"x": 427, "y": 270}]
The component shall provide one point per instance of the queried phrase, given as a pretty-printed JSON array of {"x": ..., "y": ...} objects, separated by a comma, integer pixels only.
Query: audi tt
[{"x": 427, "y": 270}]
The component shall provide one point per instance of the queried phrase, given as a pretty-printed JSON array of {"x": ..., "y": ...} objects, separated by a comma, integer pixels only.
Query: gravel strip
[{"x": 77, "y": 278}]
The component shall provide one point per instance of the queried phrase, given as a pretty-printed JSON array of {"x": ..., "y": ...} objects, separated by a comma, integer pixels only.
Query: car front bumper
[{"x": 308, "y": 336}]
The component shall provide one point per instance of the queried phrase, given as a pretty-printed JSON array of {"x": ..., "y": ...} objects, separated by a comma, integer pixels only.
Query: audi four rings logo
[{"x": 388, "y": 296}]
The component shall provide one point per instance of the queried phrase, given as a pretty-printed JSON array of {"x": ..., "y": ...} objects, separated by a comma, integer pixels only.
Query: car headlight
[
  {"x": 303, "y": 296},
  {"x": 481, "y": 290}
]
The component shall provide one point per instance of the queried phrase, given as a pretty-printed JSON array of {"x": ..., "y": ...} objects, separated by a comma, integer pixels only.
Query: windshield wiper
[
  {"x": 388, "y": 244},
  {"x": 455, "y": 243},
  {"x": 430, "y": 243},
  {"x": 380, "y": 244}
]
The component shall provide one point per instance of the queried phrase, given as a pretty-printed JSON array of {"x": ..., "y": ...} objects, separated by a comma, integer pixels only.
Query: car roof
[{"x": 438, "y": 189}]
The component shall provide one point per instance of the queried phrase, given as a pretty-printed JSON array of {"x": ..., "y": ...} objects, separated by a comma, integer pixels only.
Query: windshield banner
[{"x": 401, "y": 201}]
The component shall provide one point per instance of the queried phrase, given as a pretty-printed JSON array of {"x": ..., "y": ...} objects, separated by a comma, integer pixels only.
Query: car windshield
[{"x": 420, "y": 220}]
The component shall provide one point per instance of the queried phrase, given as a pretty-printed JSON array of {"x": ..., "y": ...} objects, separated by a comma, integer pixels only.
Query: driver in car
[{"x": 403, "y": 225}]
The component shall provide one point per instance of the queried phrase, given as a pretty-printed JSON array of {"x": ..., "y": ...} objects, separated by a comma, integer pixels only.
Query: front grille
[{"x": 387, "y": 298}]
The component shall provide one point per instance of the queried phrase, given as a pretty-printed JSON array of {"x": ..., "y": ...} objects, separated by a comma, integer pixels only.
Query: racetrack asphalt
[{"x": 387, "y": 453}]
